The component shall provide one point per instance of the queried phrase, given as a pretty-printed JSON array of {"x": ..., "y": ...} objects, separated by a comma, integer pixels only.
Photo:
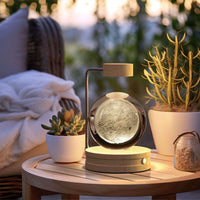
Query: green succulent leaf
[{"x": 46, "y": 127}]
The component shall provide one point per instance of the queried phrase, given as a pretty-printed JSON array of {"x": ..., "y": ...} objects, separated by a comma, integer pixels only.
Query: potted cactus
[
  {"x": 174, "y": 77},
  {"x": 65, "y": 137}
]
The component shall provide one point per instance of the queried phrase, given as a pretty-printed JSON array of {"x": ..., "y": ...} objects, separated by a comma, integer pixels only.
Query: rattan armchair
[{"x": 45, "y": 53}]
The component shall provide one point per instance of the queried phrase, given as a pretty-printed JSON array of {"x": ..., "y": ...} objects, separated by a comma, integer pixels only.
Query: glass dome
[{"x": 116, "y": 120}]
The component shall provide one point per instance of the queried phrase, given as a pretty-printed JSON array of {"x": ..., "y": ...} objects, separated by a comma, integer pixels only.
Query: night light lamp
[{"x": 116, "y": 121}]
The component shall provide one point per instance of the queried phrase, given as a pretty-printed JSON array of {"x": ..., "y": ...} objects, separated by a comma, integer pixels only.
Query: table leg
[
  {"x": 30, "y": 192},
  {"x": 164, "y": 197},
  {"x": 70, "y": 197}
]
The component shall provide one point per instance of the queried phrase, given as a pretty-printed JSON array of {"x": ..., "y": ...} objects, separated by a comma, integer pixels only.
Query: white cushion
[
  {"x": 15, "y": 168},
  {"x": 13, "y": 43}
]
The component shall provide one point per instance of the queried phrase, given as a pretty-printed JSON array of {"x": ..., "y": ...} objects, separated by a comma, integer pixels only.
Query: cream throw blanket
[{"x": 26, "y": 100}]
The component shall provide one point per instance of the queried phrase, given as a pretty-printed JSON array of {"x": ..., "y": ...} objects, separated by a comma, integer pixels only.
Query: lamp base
[{"x": 132, "y": 159}]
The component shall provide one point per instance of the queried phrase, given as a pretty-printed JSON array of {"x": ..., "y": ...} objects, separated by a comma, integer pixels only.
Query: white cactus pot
[
  {"x": 66, "y": 148},
  {"x": 166, "y": 126}
]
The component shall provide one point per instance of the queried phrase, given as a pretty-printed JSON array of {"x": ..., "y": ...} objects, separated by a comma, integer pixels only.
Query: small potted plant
[
  {"x": 65, "y": 137},
  {"x": 174, "y": 77}
]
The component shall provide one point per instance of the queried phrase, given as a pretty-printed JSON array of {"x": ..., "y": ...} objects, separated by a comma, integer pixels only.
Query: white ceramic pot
[
  {"x": 166, "y": 126},
  {"x": 66, "y": 148}
]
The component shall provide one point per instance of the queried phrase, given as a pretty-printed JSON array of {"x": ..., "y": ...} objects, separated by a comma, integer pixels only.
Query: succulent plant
[
  {"x": 65, "y": 123},
  {"x": 174, "y": 76}
]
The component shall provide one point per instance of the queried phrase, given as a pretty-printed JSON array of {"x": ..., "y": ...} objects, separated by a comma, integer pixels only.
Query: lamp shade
[{"x": 118, "y": 69}]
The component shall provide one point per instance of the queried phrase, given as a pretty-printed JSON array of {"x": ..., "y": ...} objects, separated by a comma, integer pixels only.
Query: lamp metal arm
[{"x": 87, "y": 101}]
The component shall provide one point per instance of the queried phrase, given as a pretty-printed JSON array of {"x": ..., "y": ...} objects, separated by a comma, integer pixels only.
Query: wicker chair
[{"x": 45, "y": 53}]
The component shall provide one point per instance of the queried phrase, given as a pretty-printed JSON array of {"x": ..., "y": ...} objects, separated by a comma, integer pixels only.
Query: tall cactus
[{"x": 175, "y": 81}]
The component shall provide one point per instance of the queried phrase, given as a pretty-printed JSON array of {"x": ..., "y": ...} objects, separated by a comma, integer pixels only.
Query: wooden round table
[{"x": 42, "y": 176}]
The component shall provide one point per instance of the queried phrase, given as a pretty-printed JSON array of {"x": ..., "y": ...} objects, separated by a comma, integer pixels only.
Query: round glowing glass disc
[{"x": 116, "y": 120}]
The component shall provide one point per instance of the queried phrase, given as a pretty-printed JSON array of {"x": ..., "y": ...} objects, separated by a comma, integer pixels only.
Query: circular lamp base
[{"x": 132, "y": 159}]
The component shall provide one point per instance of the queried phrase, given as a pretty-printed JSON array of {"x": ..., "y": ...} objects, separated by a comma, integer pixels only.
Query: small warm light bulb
[{"x": 117, "y": 95}]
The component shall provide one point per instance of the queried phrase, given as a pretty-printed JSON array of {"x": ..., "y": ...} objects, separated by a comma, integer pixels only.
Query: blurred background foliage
[
  {"x": 116, "y": 42},
  {"x": 8, "y": 7}
]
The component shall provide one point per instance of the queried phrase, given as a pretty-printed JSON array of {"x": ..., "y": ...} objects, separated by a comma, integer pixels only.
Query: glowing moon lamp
[{"x": 116, "y": 121}]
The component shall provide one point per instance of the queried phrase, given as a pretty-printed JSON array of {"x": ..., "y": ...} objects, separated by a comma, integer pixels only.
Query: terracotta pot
[
  {"x": 66, "y": 148},
  {"x": 166, "y": 126}
]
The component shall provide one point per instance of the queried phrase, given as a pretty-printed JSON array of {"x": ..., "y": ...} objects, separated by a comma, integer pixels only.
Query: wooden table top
[{"x": 73, "y": 178}]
